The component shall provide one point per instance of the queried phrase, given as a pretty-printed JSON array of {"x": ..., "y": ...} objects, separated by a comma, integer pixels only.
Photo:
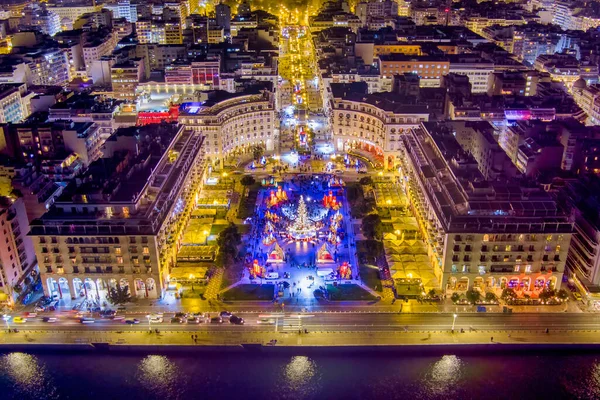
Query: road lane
[{"x": 343, "y": 322}]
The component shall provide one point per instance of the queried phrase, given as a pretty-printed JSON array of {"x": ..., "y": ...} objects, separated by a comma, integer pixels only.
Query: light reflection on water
[
  {"x": 240, "y": 376},
  {"x": 443, "y": 376},
  {"x": 300, "y": 377},
  {"x": 28, "y": 377},
  {"x": 159, "y": 377}
]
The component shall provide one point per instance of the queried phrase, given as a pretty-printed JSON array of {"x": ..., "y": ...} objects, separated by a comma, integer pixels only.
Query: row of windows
[{"x": 91, "y": 240}]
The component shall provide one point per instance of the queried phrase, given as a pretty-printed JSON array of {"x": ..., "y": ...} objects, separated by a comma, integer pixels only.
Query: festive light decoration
[
  {"x": 276, "y": 198},
  {"x": 345, "y": 271},
  {"x": 330, "y": 201},
  {"x": 269, "y": 237},
  {"x": 257, "y": 270},
  {"x": 302, "y": 228}
]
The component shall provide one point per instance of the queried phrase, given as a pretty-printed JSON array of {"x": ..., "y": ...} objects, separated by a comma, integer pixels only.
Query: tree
[
  {"x": 247, "y": 180},
  {"x": 473, "y": 296},
  {"x": 491, "y": 296},
  {"x": 455, "y": 297},
  {"x": 562, "y": 294},
  {"x": 432, "y": 293},
  {"x": 119, "y": 295},
  {"x": 257, "y": 152},
  {"x": 228, "y": 241},
  {"x": 372, "y": 227},
  {"x": 547, "y": 294},
  {"x": 508, "y": 294},
  {"x": 367, "y": 180}
]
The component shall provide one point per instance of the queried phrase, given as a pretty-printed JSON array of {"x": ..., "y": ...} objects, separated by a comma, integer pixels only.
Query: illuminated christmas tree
[{"x": 302, "y": 228}]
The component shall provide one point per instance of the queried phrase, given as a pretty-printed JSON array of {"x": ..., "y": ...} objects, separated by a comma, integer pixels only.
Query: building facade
[
  {"x": 482, "y": 235},
  {"x": 234, "y": 123},
  {"x": 127, "y": 233}
]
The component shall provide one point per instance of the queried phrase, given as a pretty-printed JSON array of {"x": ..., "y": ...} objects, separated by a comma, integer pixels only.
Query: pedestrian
[
  {"x": 492, "y": 339},
  {"x": 192, "y": 337}
]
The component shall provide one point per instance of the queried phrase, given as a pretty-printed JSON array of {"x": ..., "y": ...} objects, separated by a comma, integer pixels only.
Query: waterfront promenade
[{"x": 140, "y": 337}]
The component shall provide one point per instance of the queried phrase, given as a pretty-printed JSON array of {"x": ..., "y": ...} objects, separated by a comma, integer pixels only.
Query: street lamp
[
  {"x": 149, "y": 327},
  {"x": 454, "y": 321},
  {"x": 6, "y": 318}
]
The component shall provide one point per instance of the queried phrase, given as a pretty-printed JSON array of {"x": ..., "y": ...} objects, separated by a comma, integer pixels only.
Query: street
[{"x": 340, "y": 321}]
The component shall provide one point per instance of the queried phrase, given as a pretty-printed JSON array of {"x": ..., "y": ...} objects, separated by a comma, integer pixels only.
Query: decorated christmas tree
[
  {"x": 301, "y": 221},
  {"x": 302, "y": 227}
]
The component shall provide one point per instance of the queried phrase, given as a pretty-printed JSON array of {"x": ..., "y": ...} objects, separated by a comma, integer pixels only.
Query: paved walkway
[
  {"x": 326, "y": 338},
  {"x": 214, "y": 285}
]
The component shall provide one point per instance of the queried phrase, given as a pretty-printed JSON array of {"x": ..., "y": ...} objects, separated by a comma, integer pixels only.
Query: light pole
[
  {"x": 205, "y": 237},
  {"x": 149, "y": 327},
  {"x": 454, "y": 321},
  {"x": 6, "y": 318}
]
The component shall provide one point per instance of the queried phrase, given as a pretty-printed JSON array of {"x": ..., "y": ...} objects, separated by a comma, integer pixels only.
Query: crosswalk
[{"x": 291, "y": 324}]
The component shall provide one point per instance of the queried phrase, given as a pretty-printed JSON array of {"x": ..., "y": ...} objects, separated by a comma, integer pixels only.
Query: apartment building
[
  {"x": 69, "y": 13},
  {"x": 201, "y": 72},
  {"x": 429, "y": 68},
  {"x": 233, "y": 123},
  {"x": 371, "y": 123},
  {"x": 583, "y": 260},
  {"x": 120, "y": 224},
  {"x": 481, "y": 234},
  {"x": 48, "y": 67},
  {"x": 125, "y": 78},
  {"x": 99, "y": 47},
  {"x": 15, "y": 102},
  {"x": 17, "y": 256}
]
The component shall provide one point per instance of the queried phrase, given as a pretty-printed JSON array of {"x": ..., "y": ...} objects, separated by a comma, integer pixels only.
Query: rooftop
[{"x": 466, "y": 202}]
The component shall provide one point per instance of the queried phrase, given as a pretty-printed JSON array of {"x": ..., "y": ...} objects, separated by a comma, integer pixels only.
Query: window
[
  {"x": 146, "y": 250},
  {"x": 119, "y": 260},
  {"x": 118, "y": 250},
  {"x": 454, "y": 269},
  {"x": 481, "y": 269},
  {"x": 528, "y": 269},
  {"x": 486, "y": 238},
  {"x": 517, "y": 268}
]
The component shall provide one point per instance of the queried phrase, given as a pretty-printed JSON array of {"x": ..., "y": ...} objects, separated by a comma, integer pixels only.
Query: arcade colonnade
[{"x": 94, "y": 288}]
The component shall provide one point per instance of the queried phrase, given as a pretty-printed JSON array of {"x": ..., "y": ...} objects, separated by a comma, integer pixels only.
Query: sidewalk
[
  {"x": 312, "y": 305},
  {"x": 142, "y": 337}
]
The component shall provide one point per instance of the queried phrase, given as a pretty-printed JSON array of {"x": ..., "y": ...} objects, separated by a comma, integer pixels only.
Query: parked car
[
  {"x": 193, "y": 320},
  {"x": 577, "y": 296},
  {"x": 87, "y": 320},
  {"x": 39, "y": 308},
  {"x": 133, "y": 321},
  {"x": 19, "y": 320},
  {"x": 272, "y": 275},
  {"x": 225, "y": 314},
  {"x": 49, "y": 319},
  {"x": 156, "y": 319},
  {"x": 216, "y": 320},
  {"x": 266, "y": 321},
  {"x": 177, "y": 320},
  {"x": 30, "y": 315},
  {"x": 108, "y": 313},
  {"x": 234, "y": 319}
]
